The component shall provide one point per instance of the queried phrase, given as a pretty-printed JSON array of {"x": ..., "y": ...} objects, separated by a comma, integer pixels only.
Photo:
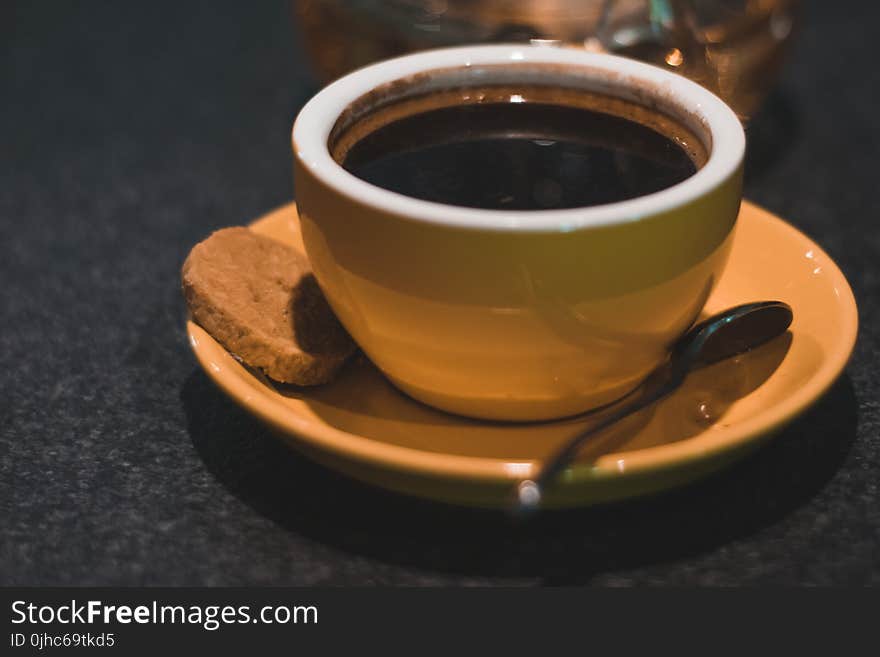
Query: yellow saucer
[{"x": 361, "y": 425}]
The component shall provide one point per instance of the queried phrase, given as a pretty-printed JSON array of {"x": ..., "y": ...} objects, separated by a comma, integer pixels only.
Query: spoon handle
[{"x": 530, "y": 491}]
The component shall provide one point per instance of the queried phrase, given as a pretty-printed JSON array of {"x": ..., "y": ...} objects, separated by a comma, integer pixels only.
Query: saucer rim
[{"x": 271, "y": 407}]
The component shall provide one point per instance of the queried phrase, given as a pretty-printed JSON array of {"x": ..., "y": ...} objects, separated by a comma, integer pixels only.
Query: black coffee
[{"x": 508, "y": 151}]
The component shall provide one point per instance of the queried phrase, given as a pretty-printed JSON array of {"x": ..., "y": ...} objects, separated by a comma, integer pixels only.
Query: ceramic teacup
[{"x": 516, "y": 315}]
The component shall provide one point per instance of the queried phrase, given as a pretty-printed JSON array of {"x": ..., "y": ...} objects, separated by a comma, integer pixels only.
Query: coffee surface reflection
[{"x": 517, "y": 154}]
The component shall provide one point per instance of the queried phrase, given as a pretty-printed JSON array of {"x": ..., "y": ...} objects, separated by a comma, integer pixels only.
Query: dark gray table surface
[{"x": 128, "y": 131}]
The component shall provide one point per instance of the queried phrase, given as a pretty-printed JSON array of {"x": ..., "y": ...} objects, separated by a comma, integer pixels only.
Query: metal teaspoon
[{"x": 731, "y": 332}]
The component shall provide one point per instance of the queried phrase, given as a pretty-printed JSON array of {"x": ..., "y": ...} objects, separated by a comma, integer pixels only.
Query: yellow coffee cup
[{"x": 516, "y": 315}]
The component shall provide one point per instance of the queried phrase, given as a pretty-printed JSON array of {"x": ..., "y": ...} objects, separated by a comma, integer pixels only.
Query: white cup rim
[{"x": 313, "y": 125}]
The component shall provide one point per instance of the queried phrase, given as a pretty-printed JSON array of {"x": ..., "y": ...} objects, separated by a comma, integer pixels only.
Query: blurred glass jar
[{"x": 734, "y": 47}]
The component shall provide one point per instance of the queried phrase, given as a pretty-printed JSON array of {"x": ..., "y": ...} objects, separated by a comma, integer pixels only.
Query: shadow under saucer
[{"x": 558, "y": 547}]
